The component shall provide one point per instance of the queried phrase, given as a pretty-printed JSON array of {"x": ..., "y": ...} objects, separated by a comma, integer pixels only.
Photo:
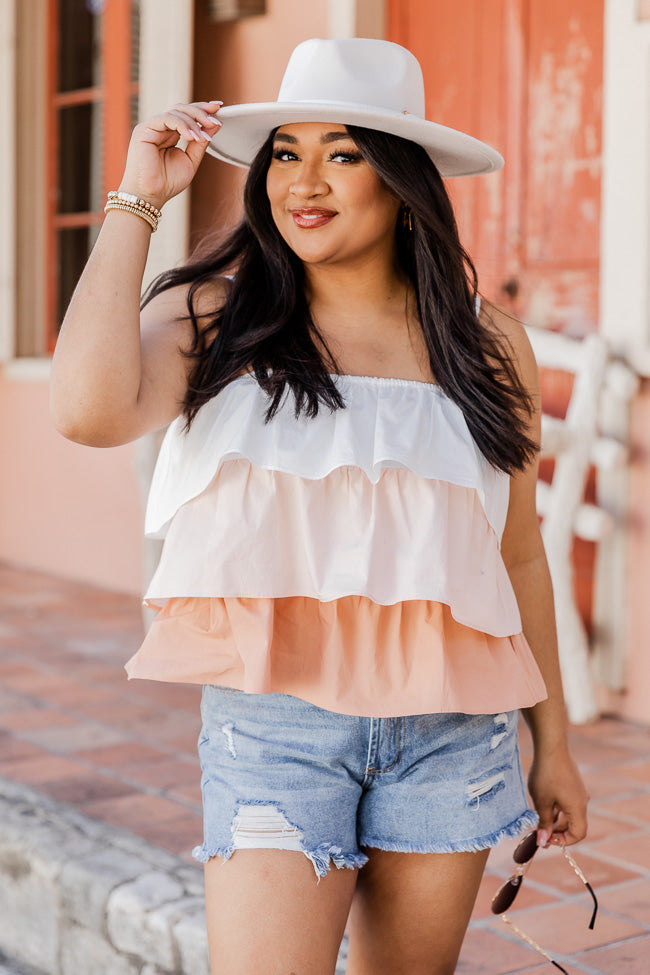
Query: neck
[{"x": 348, "y": 292}]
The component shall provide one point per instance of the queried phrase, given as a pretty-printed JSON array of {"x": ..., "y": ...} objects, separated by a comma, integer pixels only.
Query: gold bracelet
[
  {"x": 134, "y": 205},
  {"x": 137, "y": 211},
  {"x": 135, "y": 200},
  {"x": 129, "y": 203}
]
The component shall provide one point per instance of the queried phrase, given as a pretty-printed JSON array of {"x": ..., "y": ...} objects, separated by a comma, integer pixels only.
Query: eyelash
[{"x": 349, "y": 157}]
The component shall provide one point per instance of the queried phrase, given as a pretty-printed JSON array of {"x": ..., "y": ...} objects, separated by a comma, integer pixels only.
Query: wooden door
[
  {"x": 91, "y": 97},
  {"x": 525, "y": 76}
]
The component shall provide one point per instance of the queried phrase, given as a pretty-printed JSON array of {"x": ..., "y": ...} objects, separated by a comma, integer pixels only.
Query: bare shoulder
[{"x": 512, "y": 334}]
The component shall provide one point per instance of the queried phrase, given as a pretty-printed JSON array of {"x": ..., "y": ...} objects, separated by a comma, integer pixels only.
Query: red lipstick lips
[{"x": 310, "y": 217}]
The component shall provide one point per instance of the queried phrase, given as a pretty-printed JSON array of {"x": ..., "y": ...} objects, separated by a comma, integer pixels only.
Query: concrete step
[{"x": 80, "y": 896}]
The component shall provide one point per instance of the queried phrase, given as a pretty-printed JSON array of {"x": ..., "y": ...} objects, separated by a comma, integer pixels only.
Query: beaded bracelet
[{"x": 130, "y": 203}]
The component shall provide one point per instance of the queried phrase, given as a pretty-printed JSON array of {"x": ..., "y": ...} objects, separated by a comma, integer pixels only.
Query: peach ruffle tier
[{"x": 350, "y": 655}]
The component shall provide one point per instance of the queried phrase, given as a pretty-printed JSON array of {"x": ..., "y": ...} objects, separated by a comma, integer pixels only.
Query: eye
[
  {"x": 284, "y": 155},
  {"x": 346, "y": 156}
]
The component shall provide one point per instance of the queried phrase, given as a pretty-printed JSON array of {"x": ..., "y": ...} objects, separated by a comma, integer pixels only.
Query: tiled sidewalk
[{"x": 72, "y": 726}]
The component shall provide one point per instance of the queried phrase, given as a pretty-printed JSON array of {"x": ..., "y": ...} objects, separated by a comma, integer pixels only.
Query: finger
[
  {"x": 574, "y": 833},
  {"x": 201, "y": 114},
  {"x": 205, "y": 112},
  {"x": 195, "y": 151},
  {"x": 570, "y": 828},
  {"x": 191, "y": 128},
  {"x": 546, "y": 815},
  {"x": 179, "y": 123},
  {"x": 560, "y": 822},
  {"x": 209, "y": 107}
]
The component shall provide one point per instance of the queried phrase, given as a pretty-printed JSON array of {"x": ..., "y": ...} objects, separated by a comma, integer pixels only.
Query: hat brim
[{"x": 246, "y": 128}]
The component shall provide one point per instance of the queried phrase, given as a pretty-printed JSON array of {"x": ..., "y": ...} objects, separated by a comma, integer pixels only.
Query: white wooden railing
[{"x": 576, "y": 443}]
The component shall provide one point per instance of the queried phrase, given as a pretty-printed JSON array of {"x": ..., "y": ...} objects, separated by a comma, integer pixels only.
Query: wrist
[
  {"x": 549, "y": 727},
  {"x": 136, "y": 205},
  {"x": 131, "y": 188}
]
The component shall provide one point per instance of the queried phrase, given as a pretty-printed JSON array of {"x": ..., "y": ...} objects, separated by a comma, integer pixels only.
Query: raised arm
[
  {"x": 555, "y": 784},
  {"x": 117, "y": 374}
]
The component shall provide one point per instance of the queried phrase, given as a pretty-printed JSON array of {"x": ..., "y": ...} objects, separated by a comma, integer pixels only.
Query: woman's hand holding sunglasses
[{"x": 560, "y": 798}]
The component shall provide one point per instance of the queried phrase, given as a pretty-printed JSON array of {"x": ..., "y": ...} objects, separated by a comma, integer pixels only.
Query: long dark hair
[{"x": 265, "y": 325}]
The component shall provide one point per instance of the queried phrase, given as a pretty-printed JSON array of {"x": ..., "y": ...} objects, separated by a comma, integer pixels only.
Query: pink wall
[{"x": 70, "y": 510}]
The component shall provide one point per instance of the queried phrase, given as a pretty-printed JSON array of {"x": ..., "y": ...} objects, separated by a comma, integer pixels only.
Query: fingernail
[
  {"x": 206, "y": 136},
  {"x": 542, "y": 837},
  {"x": 194, "y": 135},
  {"x": 215, "y": 101}
]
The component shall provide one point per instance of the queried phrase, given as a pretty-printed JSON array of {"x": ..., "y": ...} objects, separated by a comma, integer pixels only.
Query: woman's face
[{"x": 327, "y": 202}]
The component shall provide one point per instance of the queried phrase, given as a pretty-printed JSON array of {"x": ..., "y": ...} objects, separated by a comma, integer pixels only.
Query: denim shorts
[{"x": 280, "y": 773}]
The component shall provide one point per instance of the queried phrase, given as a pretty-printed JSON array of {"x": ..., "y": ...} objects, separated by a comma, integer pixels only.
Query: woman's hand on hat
[{"x": 156, "y": 167}]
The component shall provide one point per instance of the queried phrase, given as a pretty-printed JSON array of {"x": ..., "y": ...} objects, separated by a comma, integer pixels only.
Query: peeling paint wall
[
  {"x": 561, "y": 190},
  {"x": 525, "y": 76}
]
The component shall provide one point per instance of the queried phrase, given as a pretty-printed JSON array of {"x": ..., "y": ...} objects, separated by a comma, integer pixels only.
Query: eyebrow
[{"x": 325, "y": 139}]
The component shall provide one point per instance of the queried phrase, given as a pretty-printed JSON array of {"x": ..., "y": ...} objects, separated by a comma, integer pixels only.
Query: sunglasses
[{"x": 506, "y": 894}]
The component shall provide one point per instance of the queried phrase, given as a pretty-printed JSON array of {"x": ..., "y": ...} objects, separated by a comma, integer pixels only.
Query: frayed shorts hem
[
  {"x": 527, "y": 820},
  {"x": 326, "y": 856},
  {"x": 322, "y": 858}
]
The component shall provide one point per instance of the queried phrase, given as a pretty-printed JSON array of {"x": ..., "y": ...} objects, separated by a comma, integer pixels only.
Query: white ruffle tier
[{"x": 387, "y": 423}]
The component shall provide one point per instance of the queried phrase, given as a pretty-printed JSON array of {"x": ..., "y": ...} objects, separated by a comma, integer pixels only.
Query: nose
[{"x": 308, "y": 180}]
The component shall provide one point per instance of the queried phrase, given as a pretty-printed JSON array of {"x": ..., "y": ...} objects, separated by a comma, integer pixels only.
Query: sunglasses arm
[
  {"x": 587, "y": 885},
  {"x": 533, "y": 944},
  {"x": 595, "y": 910}
]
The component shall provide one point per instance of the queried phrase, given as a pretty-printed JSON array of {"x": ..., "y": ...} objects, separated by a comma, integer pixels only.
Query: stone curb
[{"x": 78, "y": 895}]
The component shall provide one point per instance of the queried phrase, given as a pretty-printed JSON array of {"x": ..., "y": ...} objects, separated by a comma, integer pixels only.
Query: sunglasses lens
[
  {"x": 526, "y": 850},
  {"x": 505, "y": 896}
]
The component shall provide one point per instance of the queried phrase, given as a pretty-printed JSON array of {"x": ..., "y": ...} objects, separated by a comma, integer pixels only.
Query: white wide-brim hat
[{"x": 357, "y": 81}]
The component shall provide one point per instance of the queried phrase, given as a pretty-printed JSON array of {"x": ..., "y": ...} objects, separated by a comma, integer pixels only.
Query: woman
[{"x": 347, "y": 490}]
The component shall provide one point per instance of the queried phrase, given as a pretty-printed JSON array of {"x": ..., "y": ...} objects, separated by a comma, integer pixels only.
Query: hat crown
[{"x": 355, "y": 71}]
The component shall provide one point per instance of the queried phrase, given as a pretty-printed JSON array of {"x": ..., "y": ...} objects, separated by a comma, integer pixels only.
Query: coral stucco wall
[{"x": 70, "y": 510}]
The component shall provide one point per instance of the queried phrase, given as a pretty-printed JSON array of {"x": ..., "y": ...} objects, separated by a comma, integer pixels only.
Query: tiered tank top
[{"x": 351, "y": 559}]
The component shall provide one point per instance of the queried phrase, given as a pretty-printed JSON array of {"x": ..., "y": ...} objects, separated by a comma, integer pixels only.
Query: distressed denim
[{"x": 281, "y": 773}]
